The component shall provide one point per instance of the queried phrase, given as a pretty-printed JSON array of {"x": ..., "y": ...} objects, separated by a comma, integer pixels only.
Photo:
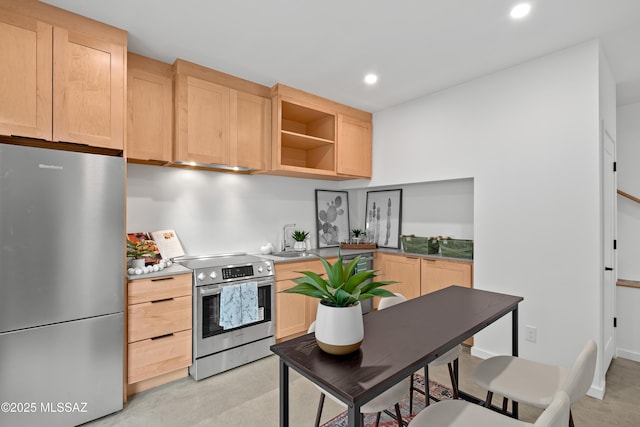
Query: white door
[{"x": 608, "y": 236}]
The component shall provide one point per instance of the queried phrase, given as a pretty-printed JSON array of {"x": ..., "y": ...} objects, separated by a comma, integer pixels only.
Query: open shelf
[
  {"x": 307, "y": 138},
  {"x": 322, "y": 157},
  {"x": 301, "y": 120},
  {"x": 302, "y": 142}
]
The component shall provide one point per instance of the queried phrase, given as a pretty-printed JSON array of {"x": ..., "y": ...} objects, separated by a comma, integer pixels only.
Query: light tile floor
[{"x": 248, "y": 396}]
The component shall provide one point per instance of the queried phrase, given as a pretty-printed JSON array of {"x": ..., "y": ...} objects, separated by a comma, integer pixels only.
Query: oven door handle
[{"x": 207, "y": 292}]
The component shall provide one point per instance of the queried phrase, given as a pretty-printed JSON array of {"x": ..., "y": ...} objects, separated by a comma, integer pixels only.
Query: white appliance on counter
[{"x": 216, "y": 349}]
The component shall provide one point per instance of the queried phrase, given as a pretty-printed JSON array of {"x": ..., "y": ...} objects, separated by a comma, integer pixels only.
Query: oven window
[{"x": 211, "y": 312}]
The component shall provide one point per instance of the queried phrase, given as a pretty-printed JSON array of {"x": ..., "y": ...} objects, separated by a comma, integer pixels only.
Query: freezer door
[
  {"x": 62, "y": 375},
  {"x": 61, "y": 236}
]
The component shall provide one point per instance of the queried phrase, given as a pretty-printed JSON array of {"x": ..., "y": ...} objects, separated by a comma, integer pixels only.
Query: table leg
[
  {"x": 284, "y": 394},
  {"x": 514, "y": 351},
  {"x": 354, "y": 419}
]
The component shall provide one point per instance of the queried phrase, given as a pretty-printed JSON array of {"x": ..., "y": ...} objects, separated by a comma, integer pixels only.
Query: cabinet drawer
[
  {"x": 153, "y": 357},
  {"x": 292, "y": 270},
  {"x": 158, "y": 288},
  {"x": 156, "y": 318}
]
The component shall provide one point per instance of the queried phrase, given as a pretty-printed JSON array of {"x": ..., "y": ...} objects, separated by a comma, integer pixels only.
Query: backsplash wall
[
  {"x": 215, "y": 212},
  {"x": 428, "y": 208}
]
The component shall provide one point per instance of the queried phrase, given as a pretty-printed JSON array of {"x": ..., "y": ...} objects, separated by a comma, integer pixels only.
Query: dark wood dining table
[{"x": 397, "y": 342}]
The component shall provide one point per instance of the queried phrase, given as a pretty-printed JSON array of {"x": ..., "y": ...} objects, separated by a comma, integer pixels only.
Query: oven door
[{"x": 210, "y": 337}]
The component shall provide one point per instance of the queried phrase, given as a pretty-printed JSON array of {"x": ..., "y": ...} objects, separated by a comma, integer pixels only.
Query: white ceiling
[{"x": 416, "y": 47}]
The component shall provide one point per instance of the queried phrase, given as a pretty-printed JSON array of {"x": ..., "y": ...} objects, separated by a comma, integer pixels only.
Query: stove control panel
[{"x": 231, "y": 273}]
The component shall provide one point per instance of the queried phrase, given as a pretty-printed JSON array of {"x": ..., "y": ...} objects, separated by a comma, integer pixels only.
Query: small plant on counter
[
  {"x": 343, "y": 287},
  {"x": 299, "y": 235},
  {"x": 357, "y": 233}
]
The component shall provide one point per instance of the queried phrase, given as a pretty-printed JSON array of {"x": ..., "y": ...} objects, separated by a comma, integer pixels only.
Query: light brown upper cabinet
[
  {"x": 354, "y": 147},
  {"x": 88, "y": 90},
  {"x": 149, "y": 110},
  {"x": 314, "y": 137},
  {"x": 250, "y": 130},
  {"x": 220, "y": 120},
  {"x": 59, "y": 83},
  {"x": 26, "y": 70}
]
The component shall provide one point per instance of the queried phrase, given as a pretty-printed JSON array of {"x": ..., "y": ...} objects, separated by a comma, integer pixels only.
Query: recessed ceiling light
[
  {"x": 520, "y": 10},
  {"x": 370, "y": 78}
]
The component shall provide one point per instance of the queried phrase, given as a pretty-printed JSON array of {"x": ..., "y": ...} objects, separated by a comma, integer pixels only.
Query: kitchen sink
[{"x": 292, "y": 254}]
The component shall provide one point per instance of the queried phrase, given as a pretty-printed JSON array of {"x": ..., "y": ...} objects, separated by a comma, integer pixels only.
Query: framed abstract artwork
[{"x": 383, "y": 218}]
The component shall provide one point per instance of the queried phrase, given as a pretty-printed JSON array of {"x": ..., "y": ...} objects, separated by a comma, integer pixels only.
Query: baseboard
[
  {"x": 597, "y": 392},
  {"x": 627, "y": 354},
  {"x": 475, "y": 351},
  {"x": 156, "y": 381}
]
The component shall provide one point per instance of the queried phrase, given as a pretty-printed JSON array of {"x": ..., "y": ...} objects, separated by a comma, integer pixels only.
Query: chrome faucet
[{"x": 286, "y": 243}]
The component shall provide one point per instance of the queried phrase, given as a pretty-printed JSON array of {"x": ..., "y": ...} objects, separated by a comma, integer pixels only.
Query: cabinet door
[
  {"x": 202, "y": 121},
  {"x": 88, "y": 92},
  {"x": 25, "y": 77},
  {"x": 354, "y": 147},
  {"x": 250, "y": 130},
  {"x": 149, "y": 114},
  {"x": 291, "y": 311},
  {"x": 439, "y": 274},
  {"x": 402, "y": 269}
]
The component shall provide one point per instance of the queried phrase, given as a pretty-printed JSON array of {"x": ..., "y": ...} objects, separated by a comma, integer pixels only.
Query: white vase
[
  {"x": 339, "y": 330},
  {"x": 299, "y": 246},
  {"x": 137, "y": 263}
]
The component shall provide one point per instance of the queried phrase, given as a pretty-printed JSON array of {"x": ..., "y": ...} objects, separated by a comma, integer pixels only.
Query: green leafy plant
[
  {"x": 357, "y": 232},
  {"x": 299, "y": 236},
  {"x": 141, "y": 249},
  {"x": 342, "y": 287}
]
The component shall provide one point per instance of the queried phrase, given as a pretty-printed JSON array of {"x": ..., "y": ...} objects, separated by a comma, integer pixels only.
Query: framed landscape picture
[
  {"x": 332, "y": 217},
  {"x": 383, "y": 217}
]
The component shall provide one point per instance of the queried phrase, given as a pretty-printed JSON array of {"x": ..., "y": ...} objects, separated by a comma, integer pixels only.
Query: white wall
[
  {"x": 428, "y": 208},
  {"x": 214, "y": 212},
  {"x": 628, "y": 253},
  {"x": 628, "y": 158},
  {"x": 529, "y": 136}
]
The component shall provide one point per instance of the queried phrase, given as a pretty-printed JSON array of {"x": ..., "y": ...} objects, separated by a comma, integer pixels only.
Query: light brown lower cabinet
[
  {"x": 294, "y": 312},
  {"x": 405, "y": 270},
  {"x": 418, "y": 276},
  {"x": 437, "y": 274},
  {"x": 159, "y": 322}
]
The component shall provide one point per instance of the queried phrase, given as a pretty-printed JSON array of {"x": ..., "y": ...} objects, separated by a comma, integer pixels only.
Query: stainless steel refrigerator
[{"x": 61, "y": 286}]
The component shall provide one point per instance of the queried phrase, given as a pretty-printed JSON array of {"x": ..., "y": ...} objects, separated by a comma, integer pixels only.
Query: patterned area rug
[{"x": 436, "y": 390}]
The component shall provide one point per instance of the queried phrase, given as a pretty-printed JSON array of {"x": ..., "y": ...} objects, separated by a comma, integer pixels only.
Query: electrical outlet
[{"x": 531, "y": 333}]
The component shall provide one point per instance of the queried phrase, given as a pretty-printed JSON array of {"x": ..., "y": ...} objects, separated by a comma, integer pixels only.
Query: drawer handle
[
  {"x": 162, "y": 300},
  {"x": 162, "y": 278},
  {"x": 161, "y": 336}
]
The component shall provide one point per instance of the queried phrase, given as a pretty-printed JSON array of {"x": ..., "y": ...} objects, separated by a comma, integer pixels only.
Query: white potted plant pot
[
  {"x": 339, "y": 330},
  {"x": 300, "y": 246}
]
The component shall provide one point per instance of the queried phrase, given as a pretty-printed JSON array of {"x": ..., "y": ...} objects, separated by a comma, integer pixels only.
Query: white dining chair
[
  {"x": 447, "y": 358},
  {"x": 460, "y": 413},
  {"x": 387, "y": 399},
  {"x": 535, "y": 383}
]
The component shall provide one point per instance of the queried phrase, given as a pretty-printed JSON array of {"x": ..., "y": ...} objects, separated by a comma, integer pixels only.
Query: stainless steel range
[{"x": 219, "y": 348}]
